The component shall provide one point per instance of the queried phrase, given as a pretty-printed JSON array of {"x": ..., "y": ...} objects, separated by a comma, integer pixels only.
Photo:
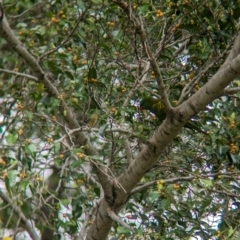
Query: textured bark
[
  {"x": 82, "y": 140},
  {"x": 169, "y": 129},
  {"x": 117, "y": 192},
  {"x": 99, "y": 230}
]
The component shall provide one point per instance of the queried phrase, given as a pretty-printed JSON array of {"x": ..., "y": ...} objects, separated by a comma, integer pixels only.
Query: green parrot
[{"x": 156, "y": 107}]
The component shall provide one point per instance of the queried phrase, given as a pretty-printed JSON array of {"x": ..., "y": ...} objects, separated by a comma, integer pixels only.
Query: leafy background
[{"x": 96, "y": 60}]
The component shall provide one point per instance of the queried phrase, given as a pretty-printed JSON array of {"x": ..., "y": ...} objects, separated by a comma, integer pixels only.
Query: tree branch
[
  {"x": 19, "y": 74},
  {"x": 234, "y": 51},
  {"x": 17, "y": 46},
  {"x": 88, "y": 216},
  {"x": 230, "y": 91},
  {"x": 140, "y": 30},
  {"x": 66, "y": 40},
  {"x": 17, "y": 211},
  {"x": 189, "y": 87},
  {"x": 117, "y": 219},
  {"x": 181, "y": 179},
  {"x": 173, "y": 124},
  {"x": 163, "y": 136}
]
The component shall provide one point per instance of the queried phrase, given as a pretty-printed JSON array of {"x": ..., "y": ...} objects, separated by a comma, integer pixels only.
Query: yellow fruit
[
  {"x": 191, "y": 75},
  {"x": 197, "y": 87},
  {"x": 75, "y": 58},
  {"x": 22, "y": 175},
  {"x": 38, "y": 179},
  {"x": 50, "y": 140},
  {"x": 4, "y": 175},
  {"x": 176, "y": 186},
  {"x": 124, "y": 90},
  {"x": 113, "y": 110},
  {"x": 20, "y": 132},
  {"x": 161, "y": 181},
  {"x": 2, "y": 162},
  {"x": 19, "y": 106},
  {"x": 80, "y": 155},
  {"x": 110, "y": 24},
  {"x": 159, "y": 14},
  {"x": 54, "y": 19}
]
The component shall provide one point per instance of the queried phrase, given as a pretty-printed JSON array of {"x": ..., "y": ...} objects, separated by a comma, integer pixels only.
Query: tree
[{"x": 72, "y": 77}]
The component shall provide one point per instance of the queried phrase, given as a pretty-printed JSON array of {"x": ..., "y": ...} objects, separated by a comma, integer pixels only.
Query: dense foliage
[{"x": 101, "y": 65}]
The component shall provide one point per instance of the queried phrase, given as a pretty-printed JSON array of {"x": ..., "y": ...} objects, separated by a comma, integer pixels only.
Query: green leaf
[
  {"x": 12, "y": 138},
  {"x": 230, "y": 232},
  {"x": 7, "y": 184},
  {"x": 223, "y": 149},
  {"x": 40, "y": 88},
  {"x": 23, "y": 184},
  {"x": 76, "y": 150},
  {"x": 41, "y": 30},
  {"x": 57, "y": 147},
  {"x": 153, "y": 195},
  {"x": 236, "y": 160},
  {"x": 95, "y": 157},
  {"x": 97, "y": 191},
  {"x": 207, "y": 182},
  {"x": 76, "y": 208},
  {"x": 27, "y": 162},
  {"x": 92, "y": 73},
  {"x": 165, "y": 203},
  {"x": 103, "y": 128},
  {"x": 22, "y": 25},
  {"x": 31, "y": 149},
  {"x": 115, "y": 33},
  {"x": 96, "y": 1},
  {"x": 232, "y": 117},
  {"x": 65, "y": 201},
  {"x": 123, "y": 230},
  {"x": 12, "y": 176},
  {"x": 76, "y": 164},
  {"x": 28, "y": 114},
  {"x": 144, "y": 9}
]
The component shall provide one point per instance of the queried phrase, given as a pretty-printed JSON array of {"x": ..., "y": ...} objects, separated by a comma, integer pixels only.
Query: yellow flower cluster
[{"x": 159, "y": 14}]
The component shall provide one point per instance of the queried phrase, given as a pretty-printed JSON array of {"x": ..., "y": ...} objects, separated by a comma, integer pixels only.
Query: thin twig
[
  {"x": 66, "y": 40},
  {"x": 21, "y": 15},
  {"x": 141, "y": 31},
  {"x": 117, "y": 219},
  {"x": 179, "y": 179},
  {"x": 19, "y": 74},
  {"x": 7, "y": 33},
  {"x": 18, "y": 212}
]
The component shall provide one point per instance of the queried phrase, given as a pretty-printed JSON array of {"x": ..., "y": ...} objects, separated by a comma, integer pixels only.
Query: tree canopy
[{"x": 79, "y": 159}]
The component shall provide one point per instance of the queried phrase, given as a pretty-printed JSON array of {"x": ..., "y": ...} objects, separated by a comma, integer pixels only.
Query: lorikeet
[{"x": 156, "y": 107}]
